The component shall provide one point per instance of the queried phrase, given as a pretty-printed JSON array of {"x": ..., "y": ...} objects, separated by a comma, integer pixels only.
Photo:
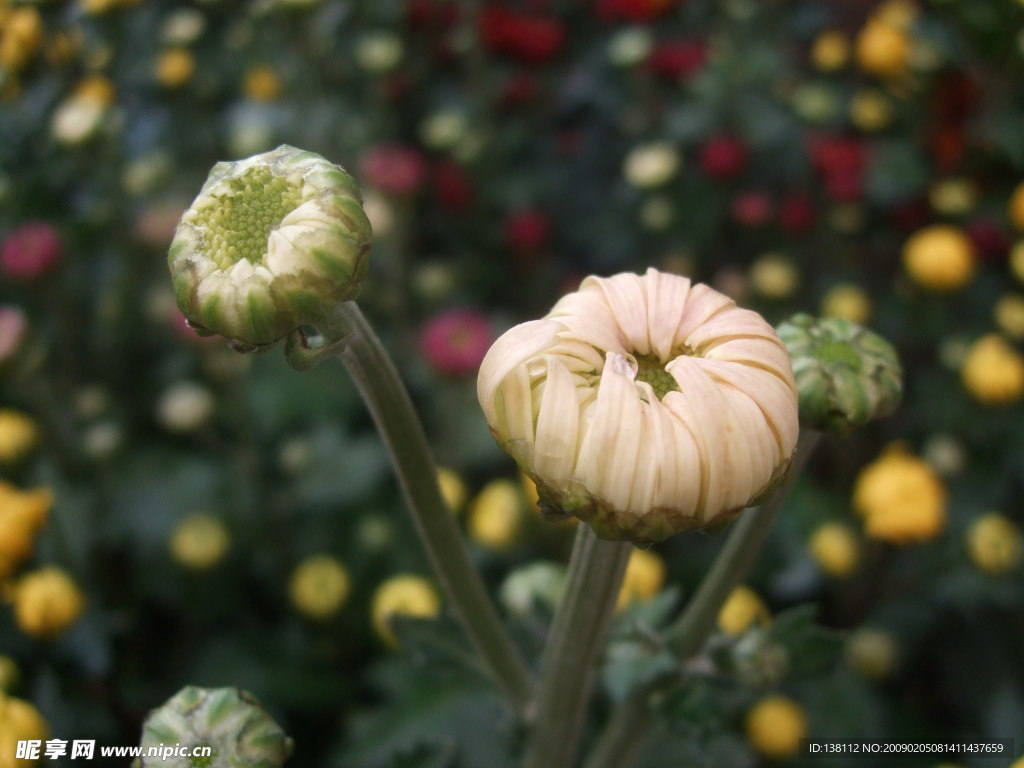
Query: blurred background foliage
[{"x": 160, "y": 492}]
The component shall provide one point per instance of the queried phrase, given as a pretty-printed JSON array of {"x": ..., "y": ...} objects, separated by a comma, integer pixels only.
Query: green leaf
[{"x": 812, "y": 648}]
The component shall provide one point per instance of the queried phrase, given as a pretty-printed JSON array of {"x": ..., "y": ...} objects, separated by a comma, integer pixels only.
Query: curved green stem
[
  {"x": 352, "y": 340},
  {"x": 574, "y": 645},
  {"x": 632, "y": 720}
]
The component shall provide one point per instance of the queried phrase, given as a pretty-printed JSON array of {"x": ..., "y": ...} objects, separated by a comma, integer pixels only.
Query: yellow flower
[
  {"x": 404, "y": 595},
  {"x": 1016, "y": 207},
  {"x": 952, "y": 197},
  {"x": 262, "y": 84},
  {"x": 96, "y": 89},
  {"x": 175, "y": 67},
  {"x": 21, "y": 32},
  {"x": 1009, "y": 315},
  {"x": 775, "y": 726},
  {"x": 22, "y": 515},
  {"x": 835, "y": 548},
  {"x": 645, "y": 575},
  {"x": 453, "y": 489},
  {"x": 940, "y": 258},
  {"x": 900, "y": 497},
  {"x": 199, "y": 542},
  {"x": 9, "y": 674},
  {"x": 882, "y": 49},
  {"x": 47, "y": 602},
  {"x": 994, "y": 543},
  {"x": 319, "y": 586},
  {"x": 644, "y": 405},
  {"x": 870, "y": 110},
  {"x": 847, "y": 301},
  {"x": 19, "y": 721},
  {"x": 774, "y": 276},
  {"x": 741, "y": 609},
  {"x": 872, "y": 653},
  {"x": 18, "y": 435},
  {"x": 495, "y": 515},
  {"x": 830, "y": 51},
  {"x": 993, "y": 371}
]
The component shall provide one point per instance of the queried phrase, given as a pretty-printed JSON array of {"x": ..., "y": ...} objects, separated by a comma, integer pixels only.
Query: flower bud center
[
  {"x": 252, "y": 206},
  {"x": 830, "y": 352},
  {"x": 651, "y": 369}
]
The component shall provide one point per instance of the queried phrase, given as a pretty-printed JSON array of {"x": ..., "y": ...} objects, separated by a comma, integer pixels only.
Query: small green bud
[
  {"x": 271, "y": 243},
  {"x": 845, "y": 374},
  {"x": 230, "y": 722}
]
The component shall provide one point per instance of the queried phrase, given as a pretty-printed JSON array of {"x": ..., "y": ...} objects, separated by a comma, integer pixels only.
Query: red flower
[
  {"x": 841, "y": 161},
  {"x": 527, "y": 230},
  {"x": 30, "y": 251},
  {"x": 632, "y": 10},
  {"x": 723, "y": 157},
  {"x": 393, "y": 168},
  {"x": 455, "y": 342},
  {"x": 796, "y": 214},
  {"x": 452, "y": 186},
  {"x": 529, "y": 37},
  {"x": 677, "y": 60},
  {"x": 752, "y": 209}
]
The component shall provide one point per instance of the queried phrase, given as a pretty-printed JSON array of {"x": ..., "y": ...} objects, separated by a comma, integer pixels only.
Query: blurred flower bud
[
  {"x": 534, "y": 583},
  {"x": 741, "y": 610},
  {"x": 393, "y": 168},
  {"x": 774, "y": 727},
  {"x": 945, "y": 453},
  {"x": 1015, "y": 209},
  {"x": 174, "y": 67},
  {"x": 453, "y": 488},
  {"x": 444, "y": 130},
  {"x": 870, "y": 110},
  {"x": 796, "y": 214},
  {"x": 872, "y": 653},
  {"x": 993, "y": 371},
  {"x": 723, "y": 157},
  {"x": 19, "y": 435},
  {"x": 261, "y": 84},
  {"x": 404, "y": 595},
  {"x": 830, "y": 51},
  {"x": 319, "y": 587},
  {"x": 1009, "y": 315},
  {"x": 47, "y": 602},
  {"x": 835, "y": 548},
  {"x": 882, "y": 49},
  {"x": 102, "y": 440},
  {"x": 816, "y": 102},
  {"x": 643, "y": 405},
  {"x": 434, "y": 281},
  {"x": 952, "y": 197},
  {"x": 527, "y": 230},
  {"x": 496, "y": 515},
  {"x": 77, "y": 119},
  {"x": 9, "y": 675},
  {"x": 21, "y": 33},
  {"x": 900, "y": 498},
  {"x": 645, "y": 576},
  {"x": 994, "y": 543},
  {"x": 227, "y": 720},
  {"x": 296, "y": 456},
  {"x": 940, "y": 258},
  {"x": 752, "y": 208},
  {"x": 184, "y": 407},
  {"x": 847, "y": 301},
  {"x": 657, "y": 213},
  {"x": 379, "y": 51},
  {"x": 845, "y": 374},
  {"x": 774, "y": 276},
  {"x": 630, "y": 46},
  {"x": 182, "y": 26},
  {"x": 375, "y": 532},
  {"x": 13, "y": 333},
  {"x": 271, "y": 243},
  {"x": 758, "y": 660},
  {"x": 22, "y": 515},
  {"x": 30, "y": 251},
  {"x": 651, "y": 165},
  {"x": 19, "y": 721},
  {"x": 454, "y": 342},
  {"x": 199, "y": 541}
]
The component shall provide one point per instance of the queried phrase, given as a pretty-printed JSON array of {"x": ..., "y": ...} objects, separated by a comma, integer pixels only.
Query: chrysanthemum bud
[
  {"x": 644, "y": 405},
  {"x": 846, "y": 375},
  {"x": 227, "y": 720},
  {"x": 271, "y": 243}
]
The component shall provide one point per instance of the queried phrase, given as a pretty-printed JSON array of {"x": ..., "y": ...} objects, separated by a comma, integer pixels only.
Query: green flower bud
[
  {"x": 228, "y": 721},
  {"x": 271, "y": 243},
  {"x": 845, "y": 374}
]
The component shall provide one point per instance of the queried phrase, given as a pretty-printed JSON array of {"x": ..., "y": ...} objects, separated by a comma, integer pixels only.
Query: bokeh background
[{"x": 162, "y": 496}]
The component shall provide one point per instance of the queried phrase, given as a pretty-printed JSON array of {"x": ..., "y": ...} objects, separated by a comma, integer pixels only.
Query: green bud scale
[
  {"x": 271, "y": 243},
  {"x": 230, "y": 722},
  {"x": 845, "y": 374}
]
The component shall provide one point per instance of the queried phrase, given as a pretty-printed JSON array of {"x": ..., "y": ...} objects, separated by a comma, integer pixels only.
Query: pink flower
[
  {"x": 393, "y": 168},
  {"x": 13, "y": 331},
  {"x": 752, "y": 209},
  {"x": 455, "y": 342},
  {"x": 30, "y": 251}
]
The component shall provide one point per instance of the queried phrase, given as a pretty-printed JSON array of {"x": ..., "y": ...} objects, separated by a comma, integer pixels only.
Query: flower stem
[
  {"x": 355, "y": 343},
  {"x": 574, "y": 644},
  {"x": 632, "y": 719}
]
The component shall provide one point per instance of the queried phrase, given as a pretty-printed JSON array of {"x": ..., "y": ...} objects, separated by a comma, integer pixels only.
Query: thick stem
[
  {"x": 388, "y": 402},
  {"x": 631, "y": 721},
  {"x": 574, "y": 645}
]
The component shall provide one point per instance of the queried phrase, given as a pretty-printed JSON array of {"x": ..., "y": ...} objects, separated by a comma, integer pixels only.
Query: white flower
[
  {"x": 651, "y": 165},
  {"x": 270, "y": 243},
  {"x": 644, "y": 405}
]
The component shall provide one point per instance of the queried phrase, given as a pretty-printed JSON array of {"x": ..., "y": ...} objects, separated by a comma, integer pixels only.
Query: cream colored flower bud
[
  {"x": 644, "y": 405},
  {"x": 271, "y": 243}
]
